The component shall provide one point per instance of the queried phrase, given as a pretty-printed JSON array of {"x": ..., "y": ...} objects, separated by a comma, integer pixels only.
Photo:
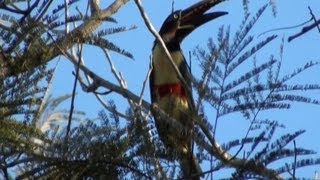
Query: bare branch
[
  {"x": 118, "y": 76},
  {"x": 94, "y": 6},
  {"x": 73, "y": 96},
  {"x": 314, "y": 18},
  {"x": 66, "y": 15},
  {"x": 306, "y": 28},
  {"x": 146, "y": 80},
  {"x": 295, "y": 159}
]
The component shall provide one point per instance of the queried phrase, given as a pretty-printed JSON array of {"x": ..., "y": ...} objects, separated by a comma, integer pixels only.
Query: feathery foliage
[
  {"x": 21, "y": 97},
  {"x": 249, "y": 93},
  {"x": 34, "y": 32}
]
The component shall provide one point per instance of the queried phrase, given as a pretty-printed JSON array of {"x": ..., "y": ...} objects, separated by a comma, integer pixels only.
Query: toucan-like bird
[{"x": 167, "y": 89}]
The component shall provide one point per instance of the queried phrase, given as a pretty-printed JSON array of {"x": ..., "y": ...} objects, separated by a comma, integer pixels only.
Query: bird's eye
[{"x": 175, "y": 16}]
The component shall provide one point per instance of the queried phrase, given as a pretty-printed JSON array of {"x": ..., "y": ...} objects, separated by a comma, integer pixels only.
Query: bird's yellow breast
[{"x": 163, "y": 70}]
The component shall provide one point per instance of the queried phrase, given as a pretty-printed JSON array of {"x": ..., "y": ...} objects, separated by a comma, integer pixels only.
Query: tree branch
[
  {"x": 306, "y": 28},
  {"x": 43, "y": 54}
]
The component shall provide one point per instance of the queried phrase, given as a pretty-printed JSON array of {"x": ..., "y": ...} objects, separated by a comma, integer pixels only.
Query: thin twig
[
  {"x": 118, "y": 76},
  {"x": 285, "y": 28},
  {"x": 314, "y": 18},
  {"x": 172, "y": 6},
  {"x": 75, "y": 79},
  {"x": 295, "y": 160},
  {"x": 113, "y": 68},
  {"x": 66, "y": 14},
  {"x": 73, "y": 96},
  {"x": 306, "y": 28},
  {"x": 146, "y": 80},
  {"x": 98, "y": 96},
  {"x": 289, "y": 170}
]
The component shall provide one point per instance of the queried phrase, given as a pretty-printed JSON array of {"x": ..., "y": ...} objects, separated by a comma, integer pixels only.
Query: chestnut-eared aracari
[{"x": 167, "y": 90}]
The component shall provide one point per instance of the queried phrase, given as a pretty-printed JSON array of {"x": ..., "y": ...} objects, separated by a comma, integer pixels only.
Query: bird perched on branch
[{"x": 171, "y": 92}]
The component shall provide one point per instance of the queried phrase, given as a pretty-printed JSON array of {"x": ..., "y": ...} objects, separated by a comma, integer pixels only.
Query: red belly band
[{"x": 171, "y": 89}]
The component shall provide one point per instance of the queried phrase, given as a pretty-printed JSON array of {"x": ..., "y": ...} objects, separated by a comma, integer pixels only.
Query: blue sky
[{"x": 139, "y": 43}]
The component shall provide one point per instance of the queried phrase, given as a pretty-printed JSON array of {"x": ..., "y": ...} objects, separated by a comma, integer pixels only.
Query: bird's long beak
[{"x": 195, "y": 16}]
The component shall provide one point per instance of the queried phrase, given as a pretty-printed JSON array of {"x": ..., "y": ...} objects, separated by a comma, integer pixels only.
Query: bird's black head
[{"x": 181, "y": 23}]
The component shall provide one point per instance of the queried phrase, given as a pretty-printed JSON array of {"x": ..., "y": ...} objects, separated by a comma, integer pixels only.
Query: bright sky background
[{"x": 139, "y": 43}]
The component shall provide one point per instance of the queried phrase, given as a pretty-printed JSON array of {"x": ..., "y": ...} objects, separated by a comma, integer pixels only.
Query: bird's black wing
[
  {"x": 186, "y": 73},
  {"x": 151, "y": 87}
]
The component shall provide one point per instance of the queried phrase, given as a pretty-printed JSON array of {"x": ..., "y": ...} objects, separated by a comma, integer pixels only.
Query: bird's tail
[{"x": 190, "y": 168}]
